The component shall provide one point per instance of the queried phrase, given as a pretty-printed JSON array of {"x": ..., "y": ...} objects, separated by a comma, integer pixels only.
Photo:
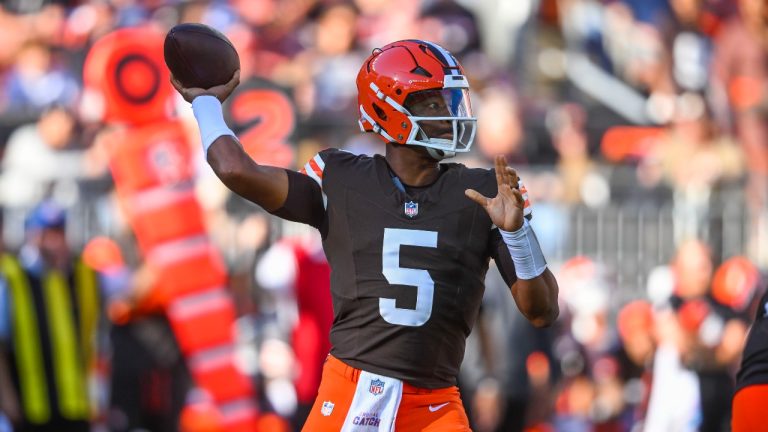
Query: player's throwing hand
[
  {"x": 506, "y": 208},
  {"x": 221, "y": 92}
]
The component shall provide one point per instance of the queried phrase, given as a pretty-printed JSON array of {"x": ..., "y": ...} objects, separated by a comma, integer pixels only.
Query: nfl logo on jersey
[
  {"x": 327, "y": 408},
  {"x": 411, "y": 209},
  {"x": 377, "y": 387}
]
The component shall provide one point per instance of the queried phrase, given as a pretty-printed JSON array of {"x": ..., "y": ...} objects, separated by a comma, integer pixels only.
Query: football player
[
  {"x": 408, "y": 239},
  {"x": 751, "y": 395}
]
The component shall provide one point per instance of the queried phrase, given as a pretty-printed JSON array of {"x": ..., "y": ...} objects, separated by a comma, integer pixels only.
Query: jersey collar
[{"x": 430, "y": 193}]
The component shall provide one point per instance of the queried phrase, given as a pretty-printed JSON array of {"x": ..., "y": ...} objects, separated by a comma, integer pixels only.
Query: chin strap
[{"x": 440, "y": 154}]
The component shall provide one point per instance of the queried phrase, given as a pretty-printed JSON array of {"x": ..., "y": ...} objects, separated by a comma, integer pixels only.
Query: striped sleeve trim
[
  {"x": 527, "y": 208},
  {"x": 314, "y": 170}
]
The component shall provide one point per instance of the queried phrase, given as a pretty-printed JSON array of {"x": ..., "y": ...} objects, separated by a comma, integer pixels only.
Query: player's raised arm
[
  {"x": 535, "y": 289},
  {"x": 264, "y": 185}
]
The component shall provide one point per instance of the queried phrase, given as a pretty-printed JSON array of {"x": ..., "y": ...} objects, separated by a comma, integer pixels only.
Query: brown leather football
[{"x": 200, "y": 56}]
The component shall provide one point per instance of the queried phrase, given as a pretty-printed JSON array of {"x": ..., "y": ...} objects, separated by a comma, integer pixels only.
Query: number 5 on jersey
[{"x": 396, "y": 275}]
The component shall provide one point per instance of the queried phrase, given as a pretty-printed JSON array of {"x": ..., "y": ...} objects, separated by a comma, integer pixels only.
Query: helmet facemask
[{"x": 441, "y": 119}]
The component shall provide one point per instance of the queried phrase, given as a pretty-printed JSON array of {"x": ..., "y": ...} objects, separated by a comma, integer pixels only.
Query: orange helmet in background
[
  {"x": 103, "y": 254},
  {"x": 734, "y": 282},
  {"x": 414, "y": 92}
]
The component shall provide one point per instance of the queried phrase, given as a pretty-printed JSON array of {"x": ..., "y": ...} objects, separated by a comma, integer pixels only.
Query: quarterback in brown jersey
[{"x": 408, "y": 238}]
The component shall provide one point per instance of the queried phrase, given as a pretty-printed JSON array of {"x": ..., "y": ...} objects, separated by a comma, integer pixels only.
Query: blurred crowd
[{"x": 609, "y": 109}]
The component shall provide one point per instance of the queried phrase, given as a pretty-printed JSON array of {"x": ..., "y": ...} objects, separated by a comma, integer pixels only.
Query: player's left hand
[{"x": 506, "y": 208}]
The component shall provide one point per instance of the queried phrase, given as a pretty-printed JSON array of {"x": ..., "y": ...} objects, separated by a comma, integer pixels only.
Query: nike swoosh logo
[{"x": 437, "y": 407}]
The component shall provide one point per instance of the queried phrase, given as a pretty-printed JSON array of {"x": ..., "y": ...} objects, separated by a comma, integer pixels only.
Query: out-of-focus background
[{"x": 640, "y": 128}]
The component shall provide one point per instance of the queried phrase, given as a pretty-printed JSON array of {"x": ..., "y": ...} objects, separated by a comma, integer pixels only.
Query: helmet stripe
[{"x": 444, "y": 56}]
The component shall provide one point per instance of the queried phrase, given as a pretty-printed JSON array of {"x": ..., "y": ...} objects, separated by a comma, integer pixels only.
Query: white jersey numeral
[{"x": 396, "y": 275}]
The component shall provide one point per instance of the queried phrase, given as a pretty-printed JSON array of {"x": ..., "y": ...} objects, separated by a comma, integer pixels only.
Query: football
[{"x": 200, "y": 56}]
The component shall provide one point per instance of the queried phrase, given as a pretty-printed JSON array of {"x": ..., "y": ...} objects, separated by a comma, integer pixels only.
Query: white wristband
[
  {"x": 210, "y": 120},
  {"x": 525, "y": 251}
]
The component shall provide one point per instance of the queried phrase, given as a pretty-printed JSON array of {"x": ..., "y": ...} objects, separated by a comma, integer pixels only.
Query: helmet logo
[{"x": 411, "y": 209}]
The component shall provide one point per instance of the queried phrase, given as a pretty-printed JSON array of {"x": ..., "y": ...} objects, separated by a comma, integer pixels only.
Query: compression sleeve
[{"x": 499, "y": 251}]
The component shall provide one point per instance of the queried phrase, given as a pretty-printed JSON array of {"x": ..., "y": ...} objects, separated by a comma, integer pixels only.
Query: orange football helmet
[
  {"x": 735, "y": 282},
  {"x": 414, "y": 92}
]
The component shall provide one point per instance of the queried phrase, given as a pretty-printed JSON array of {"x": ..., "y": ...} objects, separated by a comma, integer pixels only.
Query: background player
[{"x": 391, "y": 224}]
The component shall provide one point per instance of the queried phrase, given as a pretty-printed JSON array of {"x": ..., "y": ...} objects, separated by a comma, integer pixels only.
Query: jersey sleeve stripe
[
  {"x": 319, "y": 161},
  {"x": 308, "y": 170},
  {"x": 314, "y": 170},
  {"x": 315, "y": 167}
]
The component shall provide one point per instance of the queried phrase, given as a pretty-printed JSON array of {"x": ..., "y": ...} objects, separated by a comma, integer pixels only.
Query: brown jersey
[
  {"x": 407, "y": 267},
  {"x": 754, "y": 360}
]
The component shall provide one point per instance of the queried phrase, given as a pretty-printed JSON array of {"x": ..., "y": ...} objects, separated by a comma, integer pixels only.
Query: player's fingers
[
  {"x": 503, "y": 168},
  {"x": 223, "y": 91},
  {"x": 498, "y": 167},
  {"x": 235, "y": 80},
  {"x": 176, "y": 84},
  {"x": 509, "y": 193},
  {"x": 187, "y": 93},
  {"x": 518, "y": 198},
  {"x": 513, "y": 178},
  {"x": 476, "y": 197}
]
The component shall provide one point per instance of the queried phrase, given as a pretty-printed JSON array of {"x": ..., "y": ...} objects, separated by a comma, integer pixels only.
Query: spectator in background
[
  {"x": 37, "y": 157},
  {"x": 501, "y": 26},
  {"x": 636, "y": 328},
  {"x": 691, "y": 46},
  {"x": 382, "y": 21},
  {"x": 148, "y": 376},
  {"x": 333, "y": 61},
  {"x": 675, "y": 401},
  {"x": 581, "y": 181},
  {"x": 53, "y": 315},
  {"x": 696, "y": 159},
  {"x": 13, "y": 35},
  {"x": 740, "y": 69},
  {"x": 451, "y": 25},
  {"x": 507, "y": 377},
  {"x": 710, "y": 335},
  {"x": 500, "y": 130},
  {"x": 296, "y": 273},
  {"x": 591, "y": 394},
  {"x": 316, "y": 74},
  {"x": 35, "y": 83},
  {"x": 740, "y": 73}
]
